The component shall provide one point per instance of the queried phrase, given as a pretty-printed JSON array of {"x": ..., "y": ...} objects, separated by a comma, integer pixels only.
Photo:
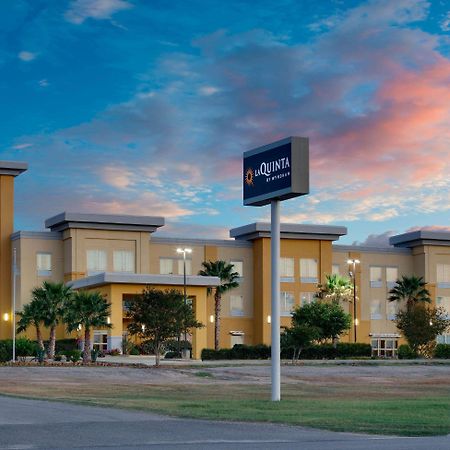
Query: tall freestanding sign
[{"x": 273, "y": 173}]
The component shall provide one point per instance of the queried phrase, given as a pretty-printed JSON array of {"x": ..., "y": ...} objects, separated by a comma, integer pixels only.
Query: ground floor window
[
  {"x": 443, "y": 339},
  {"x": 101, "y": 340},
  {"x": 237, "y": 337},
  {"x": 385, "y": 347}
]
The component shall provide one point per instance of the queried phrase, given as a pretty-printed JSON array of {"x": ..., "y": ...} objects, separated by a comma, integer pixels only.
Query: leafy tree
[
  {"x": 412, "y": 289},
  {"x": 421, "y": 325},
  {"x": 88, "y": 310},
  {"x": 32, "y": 314},
  {"x": 51, "y": 297},
  {"x": 228, "y": 281},
  {"x": 159, "y": 315},
  {"x": 335, "y": 289},
  {"x": 329, "y": 319},
  {"x": 299, "y": 337}
]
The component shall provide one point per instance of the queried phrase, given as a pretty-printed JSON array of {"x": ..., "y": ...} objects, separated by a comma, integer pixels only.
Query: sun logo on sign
[{"x": 249, "y": 177}]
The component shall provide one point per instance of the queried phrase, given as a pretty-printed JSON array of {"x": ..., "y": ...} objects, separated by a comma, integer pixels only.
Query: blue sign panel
[{"x": 276, "y": 171}]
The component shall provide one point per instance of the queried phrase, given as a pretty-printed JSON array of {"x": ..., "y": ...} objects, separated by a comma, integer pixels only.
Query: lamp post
[
  {"x": 184, "y": 251},
  {"x": 353, "y": 263},
  {"x": 13, "y": 312}
]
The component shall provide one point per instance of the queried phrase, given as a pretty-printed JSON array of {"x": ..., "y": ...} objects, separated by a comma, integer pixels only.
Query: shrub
[
  {"x": 134, "y": 351},
  {"x": 65, "y": 345},
  {"x": 171, "y": 355},
  {"x": 25, "y": 347},
  {"x": 406, "y": 352},
  {"x": 239, "y": 351},
  {"x": 113, "y": 352},
  {"x": 172, "y": 345},
  {"x": 353, "y": 350},
  {"x": 442, "y": 351},
  {"x": 5, "y": 350},
  {"x": 73, "y": 355}
]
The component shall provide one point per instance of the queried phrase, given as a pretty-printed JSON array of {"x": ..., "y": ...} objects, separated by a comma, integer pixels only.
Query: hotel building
[{"x": 119, "y": 255}]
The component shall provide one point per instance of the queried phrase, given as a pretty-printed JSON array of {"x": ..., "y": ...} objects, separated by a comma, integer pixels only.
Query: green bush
[
  {"x": 73, "y": 355},
  {"x": 328, "y": 351},
  {"x": 442, "y": 351},
  {"x": 65, "y": 345},
  {"x": 25, "y": 347},
  {"x": 5, "y": 350},
  {"x": 239, "y": 351},
  {"x": 406, "y": 352},
  {"x": 353, "y": 350},
  {"x": 171, "y": 355},
  {"x": 134, "y": 351}
]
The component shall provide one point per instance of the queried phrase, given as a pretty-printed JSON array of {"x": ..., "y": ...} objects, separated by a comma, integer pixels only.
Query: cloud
[
  {"x": 22, "y": 146},
  {"x": 193, "y": 230},
  {"x": 377, "y": 240},
  {"x": 43, "y": 83},
  {"x": 81, "y": 10},
  {"x": 430, "y": 228},
  {"x": 445, "y": 23},
  {"x": 26, "y": 56}
]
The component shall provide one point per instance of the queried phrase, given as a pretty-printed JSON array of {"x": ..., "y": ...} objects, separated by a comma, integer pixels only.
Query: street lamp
[
  {"x": 353, "y": 263},
  {"x": 184, "y": 251}
]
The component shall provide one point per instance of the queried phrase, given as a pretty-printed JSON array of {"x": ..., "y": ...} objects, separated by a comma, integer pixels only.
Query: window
[
  {"x": 100, "y": 340},
  {"x": 443, "y": 275},
  {"x": 443, "y": 339},
  {"x": 126, "y": 306},
  {"x": 166, "y": 266},
  {"x": 236, "y": 305},
  {"x": 335, "y": 269},
  {"x": 306, "y": 298},
  {"x": 375, "y": 309},
  {"x": 443, "y": 302},
  {"x": 287, "y": 269},
  {"x": 188, "y": 267},
  {"x": 96, "y": 261},
  {"x": 375, "y": 277},
  {"x": 236, "y": 338},
  {"x": 123, "y": 261},
  {"x": 286, "y": 303},
  {"x": 391, "y": 276},
  {"x": 391, "y": 309},
  {"x": 308, "y": 271},
  {"x": 385, "y": 347},
  {"x": 238, "y": 266},
  {"x": 44, "y": 264}
]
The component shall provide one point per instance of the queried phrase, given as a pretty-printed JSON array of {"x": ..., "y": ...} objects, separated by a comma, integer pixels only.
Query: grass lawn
[{"x": 400, "y": 407}]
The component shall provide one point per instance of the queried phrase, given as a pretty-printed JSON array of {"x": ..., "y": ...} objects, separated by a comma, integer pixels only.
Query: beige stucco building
[{"x": 118, "y": 255}]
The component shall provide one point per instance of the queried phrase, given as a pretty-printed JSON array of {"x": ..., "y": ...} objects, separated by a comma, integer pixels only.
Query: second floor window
[
  {"x": 287, "y": 269},
  {"x": 188, "y": 267},
  {"x": 236, "y": 305},
  {"x": 391, "y": 276},
  {"x": 238, "y": 267},
  {"x": 96, "y": 261},
  {"x": 308, "y": 270},
  {"x": 443, "y": 275},
  {"x": 375, "y": 277},
  {"x": 44, "y": 264},
  {"x": 166, "y": 266},
  {"x": 123, "y": 261}
]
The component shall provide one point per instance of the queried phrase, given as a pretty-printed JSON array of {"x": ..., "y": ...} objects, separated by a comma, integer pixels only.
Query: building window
[
  {"x": 126, "y": 306},
  {"x": 236, "y": 305},
  {"x": 287, "y": 303},
  {"x": 188, "y": 267},
  {"x": 443, "y": 302},
  {"x": 166, "y": 266},
  {"x": 237, "y": 338},
  {"x": 443, "y": 275},
  {"x": 287, "y": 269},
  {"x": 238, "y": 266},
  {"x": 100, "y": 340},
  {"x": 375, "y": 277},
  {"x": 391, "y": 276},
  {"x": 335, "y": 269},
  {"x": 96, "y": 261},
  {"x": 443, "y": 339},
  {"x": 44, "y": 264},
  {"x": 123, "y": 261},
  {"x": 384, "y": 347},
  {"x": 306, "y": 298},
  {"x": 391, "y": 308},
  {"x": 308, "y": 270},
  {"x": 375, "y": 309}
]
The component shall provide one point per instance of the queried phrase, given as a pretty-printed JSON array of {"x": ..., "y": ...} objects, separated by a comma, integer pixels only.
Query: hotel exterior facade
[{"x": 119, "y": 255}]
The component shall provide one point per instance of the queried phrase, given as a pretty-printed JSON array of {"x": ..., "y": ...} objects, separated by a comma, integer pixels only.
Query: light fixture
[
  {"x": 108, "y": 320},
  {"x": 6, "y": 317},
  {"x": 143, "y": 327},
  {"x": 356, "y": 322},
  {"x": 211, "y": 318},
  {"x": 351, "y": 261},
  {"x": 184, "y": 250},
  {"x": 79, "y": 327},
  {"x": 269, "y": 319}
]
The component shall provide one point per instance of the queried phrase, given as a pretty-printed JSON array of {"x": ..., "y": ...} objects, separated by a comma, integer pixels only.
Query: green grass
[{"x": 399, "y": 407}]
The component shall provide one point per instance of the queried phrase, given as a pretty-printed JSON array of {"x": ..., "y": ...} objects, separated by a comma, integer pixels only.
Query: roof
[
  {"x": 13, "y": 168},
  {"x": 68, "y": 220},
  {"x": 421, "y": 237},
  {"x": 289, "y": 231},
  {"x": 104, "y": 278}
]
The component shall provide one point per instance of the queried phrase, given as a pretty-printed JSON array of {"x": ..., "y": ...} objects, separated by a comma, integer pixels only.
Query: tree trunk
[
  {"x": 157, "y": 354},
  {"x": 87, "y": 346},
  {"x": 217, "y": 322},
  {"x": 51, "y": 344},
  {"x": 39, "y": 338}
]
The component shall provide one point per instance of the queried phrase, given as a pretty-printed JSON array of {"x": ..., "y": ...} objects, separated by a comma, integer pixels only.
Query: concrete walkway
[{"x": 35, "y": 424}]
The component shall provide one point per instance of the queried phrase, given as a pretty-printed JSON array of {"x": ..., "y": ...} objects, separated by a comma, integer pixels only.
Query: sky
[{"x": 145, "y": 108}]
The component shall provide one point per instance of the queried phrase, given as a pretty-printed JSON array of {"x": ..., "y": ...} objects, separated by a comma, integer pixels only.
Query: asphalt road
[{"x": 35, "y": 424}]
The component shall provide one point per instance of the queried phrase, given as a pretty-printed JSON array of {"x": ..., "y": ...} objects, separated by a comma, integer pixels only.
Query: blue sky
[{"x": 145, "y": 108}]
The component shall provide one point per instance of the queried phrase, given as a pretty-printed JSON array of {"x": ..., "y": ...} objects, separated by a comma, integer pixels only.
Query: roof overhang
[
  {"x": 289, "y": 231},
  {"x": 13, "y": 168},
  {"x": 106, "y": 278},
  {"x": 421, "y": 237},
  {"x": 68, "y": 220}
]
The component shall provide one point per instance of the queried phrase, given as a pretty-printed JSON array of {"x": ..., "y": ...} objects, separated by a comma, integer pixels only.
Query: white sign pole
[
  {"x": 13, "y": 318},
  {"x": 275, "y": 319}
]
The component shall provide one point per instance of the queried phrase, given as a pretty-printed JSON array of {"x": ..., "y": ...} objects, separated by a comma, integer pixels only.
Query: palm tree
[
  {"x": 228, "y": 281},
  {"x": 52, "y": 297},
  {"x": 412, "y": 289},
  {"x": 32, "y": 314},
  {"x": 88, "y": 310},
  {"x": 335, "y": 289}
]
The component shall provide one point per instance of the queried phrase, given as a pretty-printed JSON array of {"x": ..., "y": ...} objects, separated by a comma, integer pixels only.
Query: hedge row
[
  {"x": 442, "y": 351},
  {"x": 324, "y": 351}
]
